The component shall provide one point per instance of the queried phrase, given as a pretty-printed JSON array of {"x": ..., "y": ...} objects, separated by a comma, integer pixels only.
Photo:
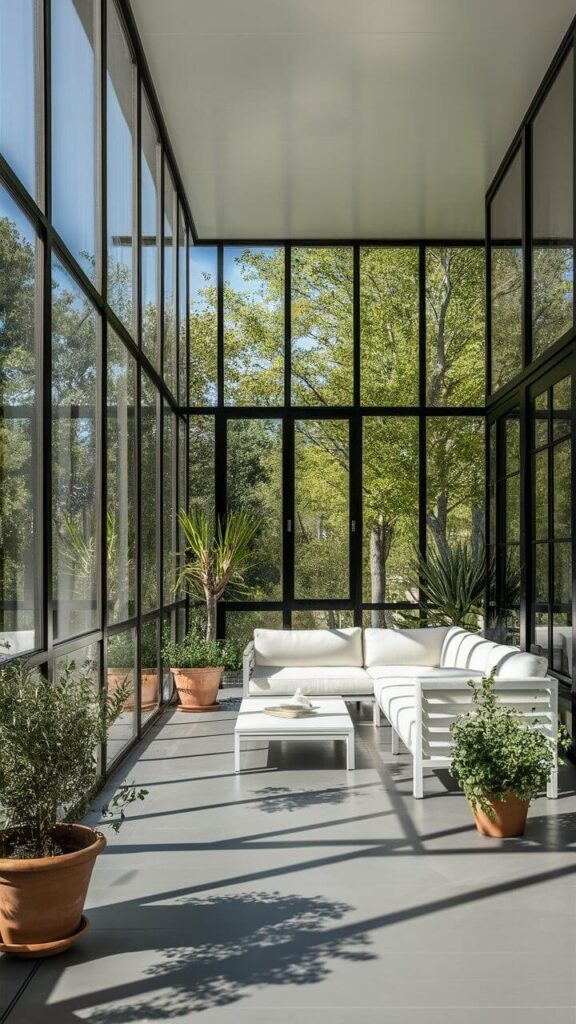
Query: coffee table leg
[
  {"x": 350, "y": 760},
  {"x": 236, "y": 752}
]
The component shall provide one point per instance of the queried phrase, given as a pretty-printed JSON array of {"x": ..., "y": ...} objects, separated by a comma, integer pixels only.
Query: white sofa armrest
[{"x": 247, "y": 666}]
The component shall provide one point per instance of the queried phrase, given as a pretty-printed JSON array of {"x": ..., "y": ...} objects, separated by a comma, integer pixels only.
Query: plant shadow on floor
[
  {"x": 232, "y": 945},
  {"x": 277, "y": 799}
]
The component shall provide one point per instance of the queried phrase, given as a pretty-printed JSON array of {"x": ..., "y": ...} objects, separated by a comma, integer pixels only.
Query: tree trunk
[
  {"x": 211, "y": 605},
  {"x": 381, "y": 535}
]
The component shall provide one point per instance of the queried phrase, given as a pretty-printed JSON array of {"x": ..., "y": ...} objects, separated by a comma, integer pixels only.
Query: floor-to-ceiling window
[
  {"x": 338, "y": 390},
  {"x": 94, "y": 240}
]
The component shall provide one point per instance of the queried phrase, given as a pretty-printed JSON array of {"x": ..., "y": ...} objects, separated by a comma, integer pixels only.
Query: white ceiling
[{"x": 344, "y": 118}]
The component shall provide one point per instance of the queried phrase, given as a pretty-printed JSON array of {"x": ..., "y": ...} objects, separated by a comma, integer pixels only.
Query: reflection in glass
[
  {"x": 541, "y": 419},
  {"x": 74, "y": 129},
  {"x": 390, "y": 510},
  {"x": 513, "y": 508},
  {"x": 562, "y": 407},
  {"x": 321, "y": 526},
  {"x": 506, "y": 276},
  {"x": 150, "y": 513},
  {"x": 203, "y": 277},
  {"x": 74, "y": 539},
  {"x": 311, "y": 618},
  {"x": 541, "y": 494},
  {"x": 541, "y": 573},
  {"x": 150, "y": 172},
  {"x": 20, "y": 81},
  {"x": 20, "y": 255},
  {"x": 512, "y": 441},
  {"x": 169, "y": 464},
  {"x": 322, "y": 326},
  {"x": 254, "y": 455},
  {"x": 170, "y": 247},
  {"x": 149, "y": 675},
  {"x": 121, "y": 489},
  {"x": 562, "y": 454},
  {"x": 552, "y": 212},
  {"x": 120, "y": 104},
  {"x": 455, "y": 299},
  {"x": 253, "y": 326},
  {"x": 121, "y": 672},
  {"x": 455, "y": 480},
  {"x": 389, "y": 315}
]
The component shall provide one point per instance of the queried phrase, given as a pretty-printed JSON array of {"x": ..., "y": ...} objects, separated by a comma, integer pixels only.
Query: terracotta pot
[
  {"x": 510, "y": 817},
  {"x": 198, "y": 687},
  {"x": 148, "y": 685},
  {"x": 41, "y": 900}
]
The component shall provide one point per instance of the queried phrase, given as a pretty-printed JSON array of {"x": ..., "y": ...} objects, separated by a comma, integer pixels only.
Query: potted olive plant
[
  {"x": 49, "y": 734},
  {"x": 215, "y": 557},
  {"x": 500, "y": 762}
]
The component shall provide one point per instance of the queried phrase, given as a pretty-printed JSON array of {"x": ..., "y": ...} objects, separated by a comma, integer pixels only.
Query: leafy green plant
[
  {"x": 496, "y": 753},
  {"x": 49, "y": 733},
  {"x": 122, "y": 650},
  {"x": 453, "y": 580},
  {"x": 195, "y": 651},
  {"x": 215, "y": 557}
]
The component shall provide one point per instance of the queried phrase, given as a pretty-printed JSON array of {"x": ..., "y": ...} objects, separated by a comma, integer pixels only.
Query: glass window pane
[
  {"x": 552, "y": 212},
  {"x": 120, "y": 107},
  {"x": 20, "y": 256},
  {"x": 541, "y": 419},
  {"x": 540, "y": 643},
  {"x": 254, "y": 453},
  {"x": 562, "y": 407},
  {"x": 86, "y": 659},
  {"x": 253, "y": 326},
  {"x": 201, "y": 464},
  {"x": 390, "y": 502},
  {"x": 203, "y": 269},
  {"x": 541, "y": 573},
  {"x": 455, "y": 478},
  {"x": 563, "y": 574},
  {"x": 122, "y": 672},
  {"x": 20, "y": 85},
  {"x": 541, "y": 494},
  {"x": 455, "y": 298},
  {"x": 241, "y": 625},
  {"x": 121, "y": 489},
  {"x": 74, "y": 539},
  {"x": 150, "y": 507},
  {"x": 169, "y": 339},
  {"x": 562, "y": 642},
  {"x": 322, "y": 326},
  {"x": 512, "y": 441},
  {"x": 562, "y": 454},
  {"x": 149, "y": 671},
  {"x": 74, "y": 129},
  {"x": 328, "y": 619},
  {"x": 389, "y": 317},
  {"x": 513, "y": 508},
  {"x": 168, "y": 503},
  {"x": 150, "y": 157},
  {"x": 182, "y": 276},
  {"x": 321, "y": 526},
  {"x": 506, "y": 277}
]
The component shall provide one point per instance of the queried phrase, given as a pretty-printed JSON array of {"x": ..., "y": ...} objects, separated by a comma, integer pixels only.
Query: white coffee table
[{"x": 331, "y": 722}]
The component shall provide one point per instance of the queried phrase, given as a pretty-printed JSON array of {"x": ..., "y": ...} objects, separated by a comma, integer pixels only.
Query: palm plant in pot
[
  {"x": 216, "y": 557},
  {"x": 49, "y": 733},
  {"x": 500, "y": 761}
]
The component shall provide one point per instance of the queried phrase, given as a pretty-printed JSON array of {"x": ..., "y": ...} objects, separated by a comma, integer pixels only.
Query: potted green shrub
[
  {"x": 500, "y": 762},
  {"x": 121, "y": 662},
  {"x": 197, "y": 665},
  {"x": 49, "y": 734}
]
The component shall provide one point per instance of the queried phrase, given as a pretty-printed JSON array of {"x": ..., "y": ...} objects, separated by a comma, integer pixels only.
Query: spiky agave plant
[
  {"x": 215, "y": 556},
  {"x": 453, "y": 581}
]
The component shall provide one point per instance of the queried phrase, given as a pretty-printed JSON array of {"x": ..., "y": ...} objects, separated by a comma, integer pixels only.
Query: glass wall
[
  {"x": 82, "y": 393},
  {"x": 388, "y": 455},
  {"x": 506, "y": 278}
]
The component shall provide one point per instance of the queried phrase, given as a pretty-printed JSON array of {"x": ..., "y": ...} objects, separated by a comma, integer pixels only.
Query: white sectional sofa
[{"x": 416, "y": 677}]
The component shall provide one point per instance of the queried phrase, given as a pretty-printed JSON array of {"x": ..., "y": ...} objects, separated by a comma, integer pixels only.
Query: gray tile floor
[{"x": 299, "y": 892}]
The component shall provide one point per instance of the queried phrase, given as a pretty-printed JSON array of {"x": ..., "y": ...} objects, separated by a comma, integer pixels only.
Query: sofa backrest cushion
[
  {"x": 404, "y": 646},
  {"x": 462, "y": 649},
  {"x": 301, "y": 647}
]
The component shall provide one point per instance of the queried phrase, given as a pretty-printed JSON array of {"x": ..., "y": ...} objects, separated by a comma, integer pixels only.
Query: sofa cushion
[
  {"x": 303, "y": 647},
  {"x": 510, "y": 663},
  {"x": 312, "y": 680},
  {"x": 398, "y": 702},
  {"x": 403, "y": 646},
  {"x": 465, "y": 650},
  {"x": 412, "y": 672}
]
